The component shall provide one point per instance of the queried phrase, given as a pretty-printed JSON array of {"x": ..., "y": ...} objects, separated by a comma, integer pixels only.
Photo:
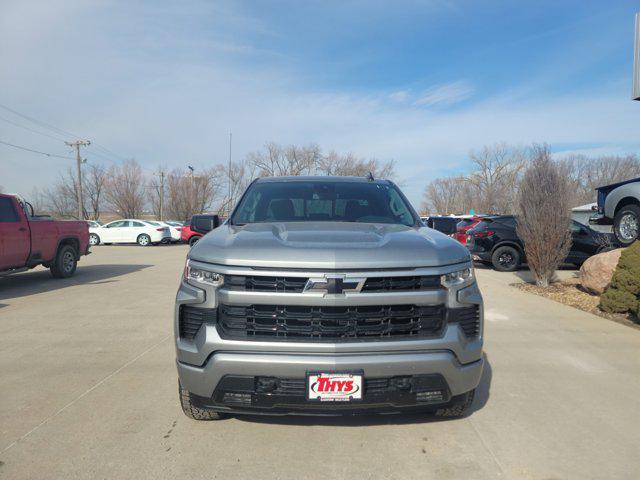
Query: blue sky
[{"x": 420, "y": 82}]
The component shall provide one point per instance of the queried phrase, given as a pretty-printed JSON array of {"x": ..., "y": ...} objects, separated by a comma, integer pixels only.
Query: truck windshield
[{"x": 323, "y": 201}]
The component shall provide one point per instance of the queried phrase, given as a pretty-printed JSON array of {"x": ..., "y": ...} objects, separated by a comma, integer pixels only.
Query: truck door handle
[{"x": 22, "y": 229}]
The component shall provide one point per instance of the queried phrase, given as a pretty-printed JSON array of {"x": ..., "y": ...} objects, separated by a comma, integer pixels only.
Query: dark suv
[{"x": 494, "y": 241}]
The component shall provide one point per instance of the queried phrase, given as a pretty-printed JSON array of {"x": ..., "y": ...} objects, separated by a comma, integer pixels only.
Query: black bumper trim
[{"x": 244, "y": 394}]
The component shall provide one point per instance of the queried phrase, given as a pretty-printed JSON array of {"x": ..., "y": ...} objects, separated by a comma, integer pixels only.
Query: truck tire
[
  {"x": 193, "y": 412},
  {"x": 626, "y": 225},
  {"x": 144, "y": 240},
  {"x": 193, "y": 240},
  {"x": 94, "y": 239},
  {"x": 505, "y": 259},
  {"x": 65, "y": 263},
  {"x": 458, "y": 406}
]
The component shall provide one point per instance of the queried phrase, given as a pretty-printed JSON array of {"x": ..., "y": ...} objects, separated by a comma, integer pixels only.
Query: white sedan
[
  {"x": 175, "y": 230},
  {"x": 129, "y": 231}
]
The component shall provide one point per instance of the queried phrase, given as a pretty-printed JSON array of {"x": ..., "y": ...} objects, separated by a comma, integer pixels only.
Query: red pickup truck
[{"x": 28, "y": 240}]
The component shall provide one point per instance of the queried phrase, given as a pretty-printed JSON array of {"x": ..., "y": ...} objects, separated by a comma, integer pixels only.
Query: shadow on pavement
[
  {"x": 40, "y": 281},
  {"x": 480, "y": 400}
]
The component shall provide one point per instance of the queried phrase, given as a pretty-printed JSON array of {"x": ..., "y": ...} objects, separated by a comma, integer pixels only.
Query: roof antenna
[{"x": 370, "y": 177}]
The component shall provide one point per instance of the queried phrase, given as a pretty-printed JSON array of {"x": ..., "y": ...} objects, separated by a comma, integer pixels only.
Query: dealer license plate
[{"x": 334, "y": 387}]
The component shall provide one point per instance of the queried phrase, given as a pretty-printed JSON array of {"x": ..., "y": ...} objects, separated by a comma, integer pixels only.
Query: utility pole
[
  {"x": 161, "y": 174},
  {"x": 229, "y": 175},
  {"x": 77, "y": 144},
  {"x": 191, "y": 193}
]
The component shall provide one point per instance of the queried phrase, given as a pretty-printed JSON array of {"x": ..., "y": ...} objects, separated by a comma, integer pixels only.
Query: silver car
[{"x": 327, "y": 295}]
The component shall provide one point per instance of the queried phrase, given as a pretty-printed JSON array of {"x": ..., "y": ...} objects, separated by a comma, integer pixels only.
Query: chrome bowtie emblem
[{"x": 334, "y": 284}]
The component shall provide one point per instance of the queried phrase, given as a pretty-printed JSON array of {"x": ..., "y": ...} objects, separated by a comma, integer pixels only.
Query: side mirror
[
  {"x": 204, "y": 223},
  {"x": 446, "y": 225}
]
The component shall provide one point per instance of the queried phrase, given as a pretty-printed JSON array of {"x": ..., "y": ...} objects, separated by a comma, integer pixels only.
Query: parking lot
[{"x": 89, "y": 390}]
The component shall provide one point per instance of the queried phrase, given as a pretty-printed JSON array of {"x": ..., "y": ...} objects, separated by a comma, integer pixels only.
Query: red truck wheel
[{"x": 65, "y": 263}]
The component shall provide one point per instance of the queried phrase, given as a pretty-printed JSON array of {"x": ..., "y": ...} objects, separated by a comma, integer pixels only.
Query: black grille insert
[
  {"x": 277, "y": 322},
  {"x": 391, "y": 284},
  {"x": 265, "y": 284},
  {"x": 192, "y": 318},
  {"x": 468, "y": 318}
]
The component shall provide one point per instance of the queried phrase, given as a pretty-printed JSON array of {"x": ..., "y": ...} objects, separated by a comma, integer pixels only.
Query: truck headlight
[
  {"x": 198, "y": 275},
  {"x": 460, "y": 278}
]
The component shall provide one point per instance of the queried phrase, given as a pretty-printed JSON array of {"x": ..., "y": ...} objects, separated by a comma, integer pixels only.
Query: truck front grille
[
  {"x": 300, "y": 323},
  {"x": 259, "y": 283}
]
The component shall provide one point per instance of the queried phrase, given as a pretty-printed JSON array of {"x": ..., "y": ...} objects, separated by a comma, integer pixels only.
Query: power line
[
  {"x": 110, "y": 152},
  {"x": 35, "y": 151},
  {"x": 56, "y": 130},
  {"x": 103, "y": 156},
  {"x": 30, "y": 129},
  {"x": 41, "y": 123}
]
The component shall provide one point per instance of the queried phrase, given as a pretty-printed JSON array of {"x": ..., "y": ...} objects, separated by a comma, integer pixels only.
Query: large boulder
[{"x": 596, "y": 271}]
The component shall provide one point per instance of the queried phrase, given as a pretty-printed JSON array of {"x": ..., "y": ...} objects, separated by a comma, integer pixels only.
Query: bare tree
[
  {"x": 344, "y": 165},
  {"x": 586, "y": 174},
  {"x": 544, "y": 216},
  {"x": 94, "y": 181},
  {"x": 60, "y": 199},
  {"x": 38, "y": 201},
  {"x": 491, "y": 187},
  {"x": 498, "y": 169},
  {"x": 237, "y": 180},
  {"x": 277, "y": 160},
  {"x": 189, "y": 194},
  {"x": 124, "y": 189},
  {"x": 449, "y": 195}
]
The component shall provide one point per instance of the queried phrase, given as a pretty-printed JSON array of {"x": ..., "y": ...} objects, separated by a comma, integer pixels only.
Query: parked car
[
  {"x": 494, "y": 241},
  {"x": 327, "y": 295},
  {"x": 189, "y": 236},
  {"x": 137, "y": 231},
  {"x": 464, "y": 225},
  {"x": 175, "y": 231},
  {"x": 619, "y": 205},
  {"x": 28, "y": 240}
]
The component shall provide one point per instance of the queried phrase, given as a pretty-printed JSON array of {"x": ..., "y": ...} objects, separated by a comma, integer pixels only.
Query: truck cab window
[{"x": 7, "y": 212}]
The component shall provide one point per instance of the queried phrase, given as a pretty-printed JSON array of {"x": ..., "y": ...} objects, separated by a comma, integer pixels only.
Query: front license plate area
[{"x": 334, "y": 386}]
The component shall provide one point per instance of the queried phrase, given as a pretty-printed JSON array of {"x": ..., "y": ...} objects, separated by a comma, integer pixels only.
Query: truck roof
[{"x": 320, "y": 178}]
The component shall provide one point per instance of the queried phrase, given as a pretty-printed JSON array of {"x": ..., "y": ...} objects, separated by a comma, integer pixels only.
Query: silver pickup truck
[
  {"x": 327, "y": 295},
  {"x": 619, "y": 205}
]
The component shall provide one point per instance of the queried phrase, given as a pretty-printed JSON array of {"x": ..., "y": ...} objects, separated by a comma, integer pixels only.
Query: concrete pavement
[{"x": 89, "y": 391}]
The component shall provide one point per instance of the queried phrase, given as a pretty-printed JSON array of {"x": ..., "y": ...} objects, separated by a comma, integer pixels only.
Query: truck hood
[{"x": 328, "y": 245}]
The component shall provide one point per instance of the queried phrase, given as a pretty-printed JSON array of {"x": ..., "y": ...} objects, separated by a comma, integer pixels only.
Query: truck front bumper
[
  {"x": 600, "y": 219},
  {"x": 234, "y": 381}
]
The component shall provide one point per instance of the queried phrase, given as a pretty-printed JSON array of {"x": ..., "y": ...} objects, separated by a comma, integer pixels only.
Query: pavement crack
[
  {"x": 86, "y": 392},
  {"x": 486, "y": 446}
]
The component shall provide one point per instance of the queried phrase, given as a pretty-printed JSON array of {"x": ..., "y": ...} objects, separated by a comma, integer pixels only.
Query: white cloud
[
  {"x": 400, "y": 96},
  {"x": 445, "y": 95}
]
